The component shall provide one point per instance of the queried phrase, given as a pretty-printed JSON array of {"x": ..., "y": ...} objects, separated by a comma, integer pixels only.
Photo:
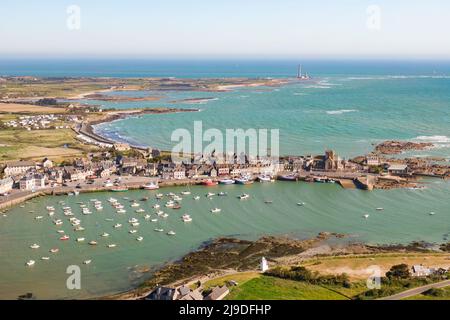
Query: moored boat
[
  {"x": 226, "y": 181},
  {"x": 150, "y": 186},
  {"x": 209, "y": 183}
]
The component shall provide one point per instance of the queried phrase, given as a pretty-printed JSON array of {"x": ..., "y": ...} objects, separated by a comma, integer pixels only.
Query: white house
[{"x": 18, "y": 167}]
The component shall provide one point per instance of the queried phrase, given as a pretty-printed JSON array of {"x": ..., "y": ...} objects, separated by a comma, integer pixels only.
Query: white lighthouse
[{"x": 264, "y": 265}]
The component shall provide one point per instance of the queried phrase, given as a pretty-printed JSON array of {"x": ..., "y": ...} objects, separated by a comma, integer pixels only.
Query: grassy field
[
  {"x": 357, "y": 267},
  {"x": 270, "y": 288},
  {"x": 28, "y": 108},
  {"x": 37, "y": 144},
  {"x": 445, "y": 295}
]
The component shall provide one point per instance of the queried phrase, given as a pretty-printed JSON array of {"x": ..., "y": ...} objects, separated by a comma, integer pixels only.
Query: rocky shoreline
[{"x": 397, "y": 147}]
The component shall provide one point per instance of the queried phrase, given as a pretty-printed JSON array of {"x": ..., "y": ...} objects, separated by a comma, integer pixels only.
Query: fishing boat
[
  {"x": 93, "y": 243},
  {"x": 30, "y": 263},
  {"x": 209, "y": 183},
  {"x": 244, "y": 196},
  {"x": 216, "y": 210},
  {"x": 38, "y": 217},
  {"x": 132, "y": 231},
  {"x": 289, "y": 177},
  {"x": 113, "y": 245},
  {"x": 154, "y": 220},
  {"x": 186, "y": 193},
  {"x": 171, "y": 233},
  {"x": 186, "y": 218},
  {"x": 87, "y": 261},
  {"x": 117, "y": 225},
  {"x": 54, "y": 250},
  {"x": 104, "y": 234},
  {"x": 80, "y": 239},
  {"x": 159, "y": 230},
  {"x": 119, "y": 189},
  {"x": 64, "y": 238},
  {"x": 35, "y": 246},
  {"x": 226, "y": 181},
  {"x": 243, "y": 180},
  {"x": 150, "y": 186},
  {"x": 45, "y": 258},
  {"x": 139, "y": 238}
]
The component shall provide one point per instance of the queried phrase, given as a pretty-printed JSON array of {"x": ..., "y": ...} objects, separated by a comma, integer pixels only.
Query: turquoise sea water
[{"x": 347, "y": 107}]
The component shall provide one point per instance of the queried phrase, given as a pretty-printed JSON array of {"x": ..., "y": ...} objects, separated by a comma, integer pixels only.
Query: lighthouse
[{"x": 264, "y": 265}]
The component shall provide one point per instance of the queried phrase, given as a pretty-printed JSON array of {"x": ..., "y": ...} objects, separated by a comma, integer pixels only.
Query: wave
[
  {"x": 342, "y": 111},
  {"x": 390, "y": 77},
  {"x": 439, "y": 142}
]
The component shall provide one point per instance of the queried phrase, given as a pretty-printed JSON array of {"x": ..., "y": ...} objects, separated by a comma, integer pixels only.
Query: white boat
[
  {"x": 226, "y": 181},
  {"x": 159, "y": 196},
  {"x": 265, "y": 178},
  {"x": 38, "y": 217},
  {"x": 117, "y": 225},
  {"x": 210, "y": 194},
  {"x": 139, "y": 238},
  {"x": 121, "y": 211},
  {"x": 98, "y": 208},
  {"x": 171, "y": 233},
  {"x": 159, "y": 230},
  {"x": 87, "y": 261},
  {"x": 30, "y": 263},
  {"x": 150, "y": 186},
  {"x": 197, "y": 198},
  {"x": 104, "y": 234},
  {"x": 132, "y": 220},
  {"x": 51, "y": 213},
  {"x": 80, "y": 239},
  {"x": 113, "y": 245},
  {"x": 165, "y": 215},
  {"x": 159, "y": 212},
  {"x": 79, "y": 228},
  {"x": 140, "y": 210},
  {"x": 147, "y": 217},
  {"x": 244, "y": 196},
  {"x": 54, "y": 250},
  {"x": 185, "y": 193},
  {"x": 132, "y": 231},
  {"x": 35, "y": 246},
  {"x": 112, "y": 200},
  {"x": 432, "y": 213},
  {"x": 154, "y": 220},
  {"x": 216, "y": 210},
  {"x": 170, "y": 204},
  {"x": 109, "y": 219},
  {"x": 135, "y": 204},
  {"x": 60, "y": 231},
  {"x": 58, "y": 222},
  {"x": 135, "y": 224},
  {"x": 300, "y": 203},
  {"x": 156, "y": 206},
  {"x": 45, "y": 258},
  {"x": 50, "y": 208},
  {"x": 366, "y": 216},
  {"x": 186, "y": 218},
  {"x": 93, "y": 243}
]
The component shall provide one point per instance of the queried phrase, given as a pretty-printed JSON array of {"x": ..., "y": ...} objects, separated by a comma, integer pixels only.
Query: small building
[
  {"x": 398, "y": 169},
  {"x": 218, "y": 293},
  {"x": 372, "y": 160},
  {"x": 47, "y": 163},
  {"x": 18, "y": 167},
  {"x": 121, "y": 146},
  {"x": 6, "y": 185},
  {"x": 32, "y": 181},
  {"x": 420, "y": 271},
  {"x": 162, "y": 293}
]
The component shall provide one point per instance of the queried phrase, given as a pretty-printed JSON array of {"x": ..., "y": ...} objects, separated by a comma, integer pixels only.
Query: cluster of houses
[
  {"x": 42, "y": 121},
  {"x": 420, "y": 270},
  {"x": 30, "y": 175},
  {"x": 185, "y": 293}
]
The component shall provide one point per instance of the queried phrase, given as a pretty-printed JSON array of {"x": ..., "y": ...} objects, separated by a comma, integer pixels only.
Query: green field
[{"x": 270, "y": 288}]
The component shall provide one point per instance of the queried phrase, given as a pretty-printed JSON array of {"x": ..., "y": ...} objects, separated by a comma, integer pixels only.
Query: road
[{"x": 416, "y": 291}]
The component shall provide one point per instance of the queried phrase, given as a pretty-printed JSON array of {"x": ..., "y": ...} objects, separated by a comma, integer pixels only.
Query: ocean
[{"x": 347, "y": 107}]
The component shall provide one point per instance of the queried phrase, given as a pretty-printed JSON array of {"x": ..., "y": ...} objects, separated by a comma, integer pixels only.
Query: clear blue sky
[{"x": 226, "y": 28}]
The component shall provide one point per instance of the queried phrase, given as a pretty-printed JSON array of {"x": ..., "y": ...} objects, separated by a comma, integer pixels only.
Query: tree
[{"x": 399, "y": 271}]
